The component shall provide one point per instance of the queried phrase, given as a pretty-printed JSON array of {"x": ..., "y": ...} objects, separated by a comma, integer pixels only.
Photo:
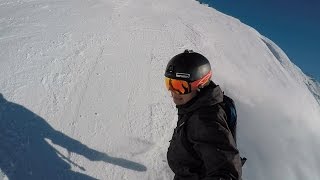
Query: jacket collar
[{"x": 208, "y": 96}]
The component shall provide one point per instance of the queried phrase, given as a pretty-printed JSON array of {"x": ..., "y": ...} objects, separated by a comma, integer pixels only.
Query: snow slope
[
  {"x": 294, "y": 71},
  {"x": 314, "y": 87},
  {"x": 82, "y": 92}
]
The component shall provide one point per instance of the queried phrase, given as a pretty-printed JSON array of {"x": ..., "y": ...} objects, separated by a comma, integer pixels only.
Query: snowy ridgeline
[
  {"x": 3, "y": 176},
  {"x": 82, "y": 93},
  {"x": 314, "y": 87},
  {"x": 312, "y": 84}
]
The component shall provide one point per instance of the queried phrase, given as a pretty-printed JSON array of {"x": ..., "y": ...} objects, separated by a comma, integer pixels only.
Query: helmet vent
[
  {"x": 170, "y": 69},
  {"x": 188, "y": 51}
]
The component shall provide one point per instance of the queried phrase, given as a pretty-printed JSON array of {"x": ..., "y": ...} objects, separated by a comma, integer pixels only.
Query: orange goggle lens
[{"x": 178, "y": 86}]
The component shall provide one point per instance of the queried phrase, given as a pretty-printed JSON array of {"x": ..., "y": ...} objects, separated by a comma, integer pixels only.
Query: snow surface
[
  {"x": 83, "y": 97},
  {"x": 294, "y": 70}
]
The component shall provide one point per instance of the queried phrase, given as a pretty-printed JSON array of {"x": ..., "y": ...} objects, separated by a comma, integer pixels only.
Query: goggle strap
[{"x": 202, "y": 81}]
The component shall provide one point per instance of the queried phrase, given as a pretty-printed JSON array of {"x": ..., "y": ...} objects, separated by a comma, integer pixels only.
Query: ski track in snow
[{"x": 83, "y": 90}]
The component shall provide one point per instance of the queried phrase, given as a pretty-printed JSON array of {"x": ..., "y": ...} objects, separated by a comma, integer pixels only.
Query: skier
[{"x": 202, "y": 146}]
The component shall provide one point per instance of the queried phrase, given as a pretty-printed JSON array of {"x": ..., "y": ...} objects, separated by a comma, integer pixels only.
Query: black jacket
[{"x": 202, "y": 146}]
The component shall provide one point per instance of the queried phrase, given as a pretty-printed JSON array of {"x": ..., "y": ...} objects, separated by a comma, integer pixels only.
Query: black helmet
[{"x": 189, "y": 66}]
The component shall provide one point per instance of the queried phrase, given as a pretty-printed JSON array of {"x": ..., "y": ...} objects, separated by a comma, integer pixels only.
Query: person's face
[{"x": 180, "y": 99}]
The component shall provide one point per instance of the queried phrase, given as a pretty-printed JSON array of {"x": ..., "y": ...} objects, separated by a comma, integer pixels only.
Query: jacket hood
[{"x": 208, "y": 96}]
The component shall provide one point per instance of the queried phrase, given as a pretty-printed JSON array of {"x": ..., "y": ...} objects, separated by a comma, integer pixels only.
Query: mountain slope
[{"x": 294, "y": 71}]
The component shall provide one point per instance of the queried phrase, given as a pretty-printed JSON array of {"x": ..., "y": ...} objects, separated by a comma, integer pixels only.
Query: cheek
[
  {"x": 183, "y": 98},
  {"x": 177, "y": 98},
  {"x": 188, "y": 97}
]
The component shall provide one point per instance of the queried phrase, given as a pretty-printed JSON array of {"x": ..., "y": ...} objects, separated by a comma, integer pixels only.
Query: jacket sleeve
[{"x": 213, "y": 142}]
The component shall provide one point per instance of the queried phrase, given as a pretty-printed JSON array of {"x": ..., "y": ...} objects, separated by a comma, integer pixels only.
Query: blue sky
[{"x": 294, "y": 25}]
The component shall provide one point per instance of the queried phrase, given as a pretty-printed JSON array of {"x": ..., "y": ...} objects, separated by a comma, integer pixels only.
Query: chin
[{"x": 178, "y": 102}]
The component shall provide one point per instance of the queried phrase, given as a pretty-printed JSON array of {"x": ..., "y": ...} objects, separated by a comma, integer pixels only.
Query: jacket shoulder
[
  {"x": 210, "y": 115},
  {"x": 208, "y": 122}
]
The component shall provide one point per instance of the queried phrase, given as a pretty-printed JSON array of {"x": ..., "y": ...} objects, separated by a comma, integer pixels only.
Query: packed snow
[{"x": 83, "y": 96}]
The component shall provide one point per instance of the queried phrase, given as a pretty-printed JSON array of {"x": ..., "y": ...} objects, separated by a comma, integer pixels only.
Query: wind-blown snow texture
[
  {"x": 82, "y": 93},
  {"x": 294, "y": 71}
]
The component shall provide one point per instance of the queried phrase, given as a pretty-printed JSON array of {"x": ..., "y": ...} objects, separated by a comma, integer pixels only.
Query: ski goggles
[
  {"x": 181, "y": 87},
  {"x": 178, "y": 86}
]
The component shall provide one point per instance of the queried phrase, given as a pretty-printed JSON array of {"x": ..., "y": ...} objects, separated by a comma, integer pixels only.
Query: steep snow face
[
  {"x": 82, "y": 91},
  {"x": 314, "y": 87},
  {"x": 294, "y": 71}
]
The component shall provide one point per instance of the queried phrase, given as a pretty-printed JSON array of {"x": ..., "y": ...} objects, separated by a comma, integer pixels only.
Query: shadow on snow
[{"x": 25, "y": 154}]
